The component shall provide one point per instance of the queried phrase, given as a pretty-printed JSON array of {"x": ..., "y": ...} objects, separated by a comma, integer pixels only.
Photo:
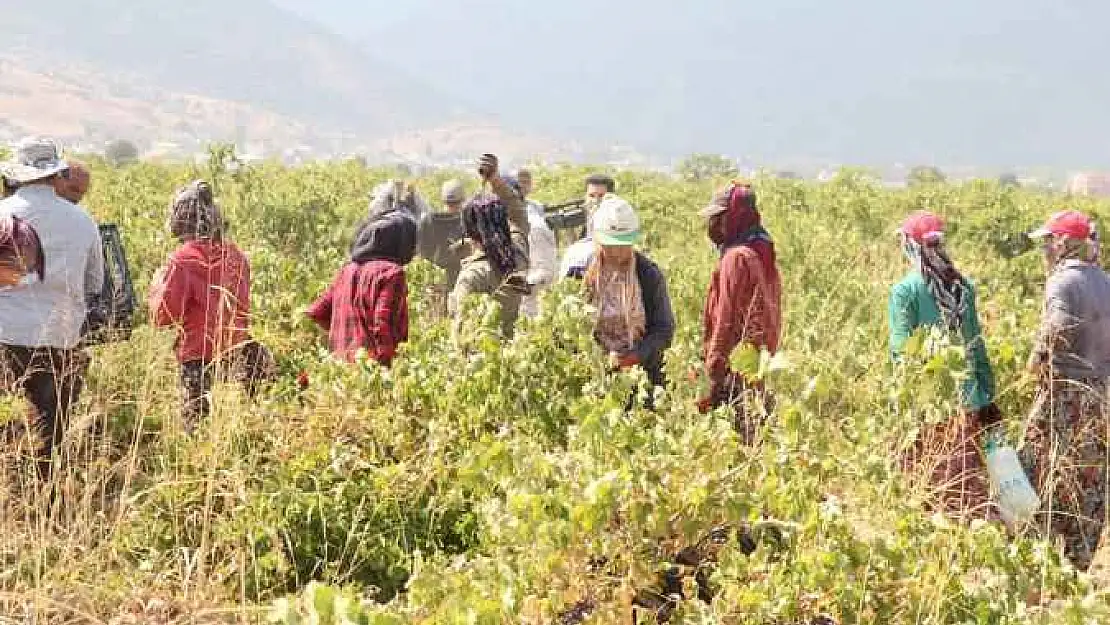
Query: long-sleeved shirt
[
  {"x": 744, "y": 305},
  {"x": 50, "y": 313},
  {"x": 477, "y": 276},
  {"x": 543, "y": 259},
  {"x": 660, "y": 325},
  {"x": 913, "y": 306},
  {"x": 1074, "y": 336},
  {"x": 366, "y": 307},
  {"x": 204, "y": 289}
]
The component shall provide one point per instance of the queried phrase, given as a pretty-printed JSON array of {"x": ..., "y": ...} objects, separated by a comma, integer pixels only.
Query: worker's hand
[
  {"x": 488, "y": 166},
  {"x": 705, "y": 404}
]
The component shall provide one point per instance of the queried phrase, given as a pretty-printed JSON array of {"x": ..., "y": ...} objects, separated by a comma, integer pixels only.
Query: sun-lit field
[{"x": 504, "y": 483}]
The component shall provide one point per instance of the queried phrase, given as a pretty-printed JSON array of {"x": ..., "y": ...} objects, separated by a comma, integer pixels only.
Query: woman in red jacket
[
  {"x": 744, "y": 303},
  {"x": 204, "y": 291}
]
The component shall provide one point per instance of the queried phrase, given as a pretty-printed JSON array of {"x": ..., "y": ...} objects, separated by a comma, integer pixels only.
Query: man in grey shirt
[
  {"x": 41, "y": 321},
  {"x": 1074, "y": 338}
]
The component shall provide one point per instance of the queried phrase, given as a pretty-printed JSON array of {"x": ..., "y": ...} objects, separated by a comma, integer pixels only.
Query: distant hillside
[
  {"x": 241, "y": 50},
  {"x": 85, "y": 109},
  {"x": 173, "y": 76}
]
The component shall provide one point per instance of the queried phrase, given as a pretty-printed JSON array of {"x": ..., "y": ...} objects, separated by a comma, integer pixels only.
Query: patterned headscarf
[
  {"x": 194, "y": 213},
  {"x": 485, "y": 220},
  {"x": 945, "y": 283}
]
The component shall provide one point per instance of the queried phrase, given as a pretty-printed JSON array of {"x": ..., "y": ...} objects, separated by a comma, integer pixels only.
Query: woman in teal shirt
[{"x": 934, "y": 293}]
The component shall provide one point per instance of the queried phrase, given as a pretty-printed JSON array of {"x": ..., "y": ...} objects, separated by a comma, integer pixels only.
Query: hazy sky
[{"x": 1000, "y": 82}]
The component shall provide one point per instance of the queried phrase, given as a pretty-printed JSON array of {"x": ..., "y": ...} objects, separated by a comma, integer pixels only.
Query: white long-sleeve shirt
[
  {"x": 50, "y": 313},
  {"x": 543, "y": 256}
]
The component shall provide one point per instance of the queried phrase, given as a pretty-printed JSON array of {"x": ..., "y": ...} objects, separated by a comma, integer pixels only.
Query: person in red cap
[
  {"x": 935, "y": 294},
  {"x": 744, "y": 304},
  {"x": 1065, "y": 449}
]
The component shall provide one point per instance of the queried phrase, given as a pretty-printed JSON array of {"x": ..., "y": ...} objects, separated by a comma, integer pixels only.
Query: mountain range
[{"x": 181, "y": 74}]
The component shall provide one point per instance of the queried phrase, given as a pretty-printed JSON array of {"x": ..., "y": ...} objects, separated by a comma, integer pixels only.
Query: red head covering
[
  {"x": 1070, "y": 224},
  {"x": 922, "y": 226},
  {"x": 743, "y": 225}
]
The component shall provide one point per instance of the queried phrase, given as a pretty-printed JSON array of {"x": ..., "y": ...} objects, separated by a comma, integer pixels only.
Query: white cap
[{"x": 616, "y": 222}]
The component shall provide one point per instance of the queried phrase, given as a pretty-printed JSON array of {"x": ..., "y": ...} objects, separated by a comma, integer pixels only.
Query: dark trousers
[
  {"x": 51, "y": 380},
  {"x": 251, "y": 365}
]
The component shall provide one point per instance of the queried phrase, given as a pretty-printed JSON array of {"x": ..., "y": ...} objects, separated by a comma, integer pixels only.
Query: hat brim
[
  {"x": 1039, "y": 233},
  {"x": 630, "y": 238},
  {"x": 22, "y": 174}
]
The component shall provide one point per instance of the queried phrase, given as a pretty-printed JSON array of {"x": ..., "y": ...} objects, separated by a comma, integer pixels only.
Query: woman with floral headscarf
[
  {"x": 203, "y": 290},
  {"x": 1066, "y": 442},
  {"x": 935, "y": 293}
]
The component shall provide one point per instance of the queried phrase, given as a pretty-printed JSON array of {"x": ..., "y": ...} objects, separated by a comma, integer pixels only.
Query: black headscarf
[
  {"x": 485, "y": 220},
  {"x": 386, "y": 236}
]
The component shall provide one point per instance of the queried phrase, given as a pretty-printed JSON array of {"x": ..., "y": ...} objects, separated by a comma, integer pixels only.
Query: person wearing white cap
[
  {"x": 40, "y": 323},
  {"x": 634, "y": 321},
  {"x": 1066, "y": 442}
]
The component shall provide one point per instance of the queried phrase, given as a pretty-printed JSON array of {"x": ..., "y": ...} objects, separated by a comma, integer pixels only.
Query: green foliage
[
  {"x": 121, "y": 152},
  {"x": 706, "y": 167},
  {"x": 924, "y": 175},
  {"x": 483, "y": 482}
]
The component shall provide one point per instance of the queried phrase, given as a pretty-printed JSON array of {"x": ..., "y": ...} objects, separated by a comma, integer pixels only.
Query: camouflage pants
[{"x": 1065, "y": 454}]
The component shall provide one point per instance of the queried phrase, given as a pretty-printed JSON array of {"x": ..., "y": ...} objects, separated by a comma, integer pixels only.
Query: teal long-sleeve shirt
[{"x": 912, "y": 306}]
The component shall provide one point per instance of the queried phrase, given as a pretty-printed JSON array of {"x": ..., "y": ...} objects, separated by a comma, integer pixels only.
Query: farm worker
[
  {"x": 440, "y": 238},
  {"x": 744, "y": 304},
  {"x": 495, "y": 226},
  {"x": 41, "y": 318},
  {"x": 203, "y": 290},
  {"x": 396, "y": 194},
  {"x": 1066, "y": 443},
  {"x": 366, "y": 306},
  {"x": 542, "y": 248},
  {"x": 578, "y": 255},
  {"x": 634, "y": 323},
  {"x": 935, "y": 293}
]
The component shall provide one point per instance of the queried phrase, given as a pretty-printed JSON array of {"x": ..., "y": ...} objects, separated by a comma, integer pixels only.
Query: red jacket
[
  {"x": 744, "y": 306},
  {"x": 204, "y": 289},
  {"x": 365, "y": 307}
]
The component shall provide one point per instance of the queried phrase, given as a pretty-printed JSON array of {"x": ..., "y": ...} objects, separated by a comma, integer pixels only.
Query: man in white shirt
[
  {"x": 40, "y": 322},
  {"x": 581, "y": 252},
  {"x": 542, "y": 247}
]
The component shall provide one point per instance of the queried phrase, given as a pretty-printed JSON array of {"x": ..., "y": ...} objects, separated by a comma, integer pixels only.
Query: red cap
[
  {"x": 1070, "y": 224},
  {"x": 922, "y": 225}
]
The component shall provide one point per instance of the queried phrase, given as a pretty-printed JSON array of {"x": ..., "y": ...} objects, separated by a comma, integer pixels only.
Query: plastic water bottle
[{"x": 1017, "y": 500}]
